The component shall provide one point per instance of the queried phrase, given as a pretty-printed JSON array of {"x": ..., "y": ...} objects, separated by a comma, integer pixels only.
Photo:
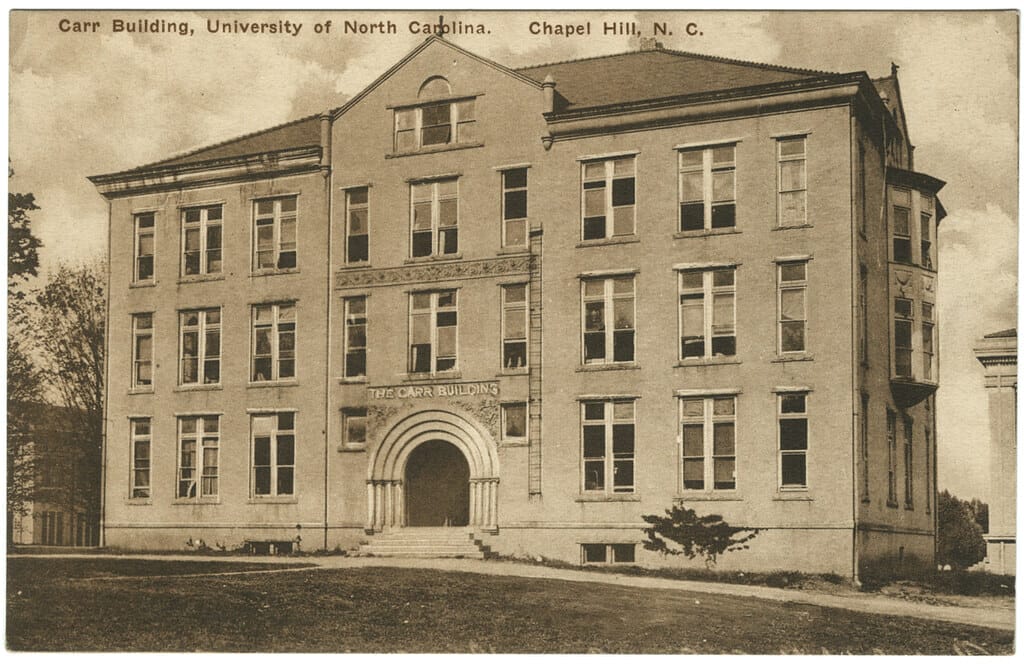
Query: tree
[
  {"x": 980, "y": 511},
  {"x": 708, "y": 536},
  {"x": 960, "y": 541},
  {"x": 68, "y": 326},
  {"x": 22, "y": 245}
]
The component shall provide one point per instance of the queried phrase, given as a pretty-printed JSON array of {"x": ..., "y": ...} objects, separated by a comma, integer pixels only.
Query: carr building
[{"x": 534, "y": 305}]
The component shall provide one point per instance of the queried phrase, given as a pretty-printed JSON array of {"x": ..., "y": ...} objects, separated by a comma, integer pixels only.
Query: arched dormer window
[
  {"x": 434, "y": 87},
  {"x": 433, "y": 124}
]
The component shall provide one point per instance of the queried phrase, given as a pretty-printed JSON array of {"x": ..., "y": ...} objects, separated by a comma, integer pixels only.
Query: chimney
[
  {"x": 549, "y": 93},
  {"x": 649, "y": 44}
]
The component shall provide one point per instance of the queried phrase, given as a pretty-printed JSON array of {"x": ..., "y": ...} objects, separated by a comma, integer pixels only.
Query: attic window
[
  {"x": 434, "y": 87},
  {"x": 444, "y": 121}
]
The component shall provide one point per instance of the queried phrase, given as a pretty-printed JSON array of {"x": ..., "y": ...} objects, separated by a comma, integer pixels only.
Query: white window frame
[
  {"x": 202, "y": 328},
  {"x": 275, "y": 467},
  {"x": 607, "y": 179},
  {"x": 351, "y": 208},
  {"x": 434, "y": 310},
  {"x": 140, "y": 490},
  {"x": 890, "y": 434},
  {"x": 908, "y": 463},
  {"x": 927, "y": 341},
  {"x": 790, "y": 416},
  {"x": 279, "y": 329},
  {"x": 524, "y": 220},
  {"x": 275, "y": 218},
  {"x": 708, "y": 168},
  {"x": 203, "y": 224},
  {"x": 608, "y": 459},
  {"x": 515, "y": 308},
  {"x": 784, "y": 192},
  {"x": 607, "y": 299},
  {"x": 505, "y": 437},
  {"x": 349, "y": 415},
  {"x": 708, "y": 457},
  {"x": 899, "y": 320},
  {"x": 355, "y": 319},
  {"x": 927, "y": 241},
  {"x": 903, "y": 201},
  {"x": 708, "y": 291},
  {"x": 140, "y": 333},
  {"x": 791, "y": 286},
  {"x": 458, "y": 123},
  {"x": 140, "y": 233},
  {"x": 437, "y": 231},
  {"x": 204, "y": 440}
]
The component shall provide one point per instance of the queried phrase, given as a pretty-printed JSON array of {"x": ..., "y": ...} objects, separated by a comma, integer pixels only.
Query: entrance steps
[{"x": 424, "y": 543}]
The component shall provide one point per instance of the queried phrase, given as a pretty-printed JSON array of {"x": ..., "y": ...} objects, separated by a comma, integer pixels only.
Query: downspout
[
  {"x": 106, "y": 386},
  {"x": 854, "y": 364},
  {"x": 325, "y": 171}
]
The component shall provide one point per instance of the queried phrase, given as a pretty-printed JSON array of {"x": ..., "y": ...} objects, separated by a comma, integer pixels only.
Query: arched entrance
[
  {"x": 435, "y": 437},
  {"x": 436, "y": 486}
]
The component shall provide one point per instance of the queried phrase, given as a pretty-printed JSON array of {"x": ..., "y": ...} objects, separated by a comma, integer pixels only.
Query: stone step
[
  {"x": 384, "y": 548},
  {"x": 423, "y": 543},
  {"x": 475, "y": 555}
]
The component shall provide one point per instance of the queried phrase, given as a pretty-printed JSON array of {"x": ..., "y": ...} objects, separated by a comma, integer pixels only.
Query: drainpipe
[{"x": 326, "y": 172}]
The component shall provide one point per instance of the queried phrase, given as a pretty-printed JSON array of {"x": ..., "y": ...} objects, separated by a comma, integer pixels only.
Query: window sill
[
  {"x": 707, "y": 361},
  {"x": 426, "y": 377},
  {"x": 522, "y": 442},
  {"x": 611, "y": 366},
  {"x": 270, "y": 273},
  {"x": 601, "y": 242},
  {"x": 141, "y": 390},
  {"x": 519, "y": 371},
  {"x": 705, "y": 232},
  {"x": 198, "y": 388},
  {"x": 795, "y": 357},
  {"x": 706, "y": 497},
  {"x": 505, "y": 251},
  {"x": 607, "y": 498},
  {"x": 348, "y": 449},
  {"x": 196, "y": 501},
  {"x": 142, "y": 284},
  {"x": 138, "y": 501},
  {"x": 793, "y": 227},
  {"x": 434, "y": 150},
  {"x": 798, "y": 495},
  {"x": 353, "y": 380},
  {"x": 197, "y": 278},
  {"x": 274, "y": 500},
  {"x": 435, "y": 258},
  {"x": 889, "y": 503},
  {"x": 359, "y": 265},
  {"x": 272, "y": 383}
]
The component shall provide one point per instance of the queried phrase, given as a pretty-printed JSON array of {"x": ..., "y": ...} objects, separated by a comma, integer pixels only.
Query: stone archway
[
  {"x": 385, "y": 486},
  {"x": 436, "y": 486}
]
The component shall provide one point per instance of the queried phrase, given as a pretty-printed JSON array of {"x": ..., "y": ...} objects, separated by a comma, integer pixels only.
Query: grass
[{"x": 60, "y": 605}]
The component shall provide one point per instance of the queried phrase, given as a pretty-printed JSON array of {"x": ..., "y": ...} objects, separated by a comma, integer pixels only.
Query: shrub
[
  {"x": 708, "y": 536},
  {"x": 960, "y": 540}
]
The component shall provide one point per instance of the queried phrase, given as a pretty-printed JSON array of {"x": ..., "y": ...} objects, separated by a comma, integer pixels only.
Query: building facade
[
  {"x": 536, "y": 303},
  {"x": 997, "y": 352}
]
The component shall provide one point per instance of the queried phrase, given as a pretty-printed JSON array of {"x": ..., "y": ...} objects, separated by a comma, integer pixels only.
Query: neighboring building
[
  {"x": 997, "y": 352},
  {"x": 64, "y": 504},
  {"x": 538, "y": 303}
]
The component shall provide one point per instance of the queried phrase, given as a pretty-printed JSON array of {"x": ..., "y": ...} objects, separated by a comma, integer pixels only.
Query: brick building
[{"x": 535, "y": 304}]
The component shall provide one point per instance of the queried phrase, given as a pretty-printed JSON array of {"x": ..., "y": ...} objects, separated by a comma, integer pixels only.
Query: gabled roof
[
  {"x": 655, "y": 74},
  {"x": 1003, "y": 334}
]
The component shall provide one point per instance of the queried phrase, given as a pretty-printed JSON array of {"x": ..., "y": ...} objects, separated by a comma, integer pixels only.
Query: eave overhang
[
  {"x": 919, "y": 181},
  {"x": 292, "y": 161}
]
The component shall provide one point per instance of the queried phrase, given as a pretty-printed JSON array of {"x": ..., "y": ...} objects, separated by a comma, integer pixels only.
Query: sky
[{"x": 85, "y": 103}]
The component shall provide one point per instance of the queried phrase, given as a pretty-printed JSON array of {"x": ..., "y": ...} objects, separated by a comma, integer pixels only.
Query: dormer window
[{"x": 439, "y": 120}]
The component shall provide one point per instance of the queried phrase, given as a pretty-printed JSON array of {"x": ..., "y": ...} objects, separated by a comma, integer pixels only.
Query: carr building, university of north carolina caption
[{"x": 533, "y": 305}]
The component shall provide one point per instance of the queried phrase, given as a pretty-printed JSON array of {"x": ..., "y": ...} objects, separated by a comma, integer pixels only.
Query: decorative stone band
[{"x": 429, "y": 272}]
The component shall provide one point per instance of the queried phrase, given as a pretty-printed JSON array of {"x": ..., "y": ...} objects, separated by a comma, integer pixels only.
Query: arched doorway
[{"x": 437, "y": 485}]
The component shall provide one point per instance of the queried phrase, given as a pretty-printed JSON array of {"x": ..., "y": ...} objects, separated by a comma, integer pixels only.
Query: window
[
  {"x": 142, "y": 351},
  {"x": 353, "y": 427},
  {"x": 862, "y": 313},
  {"x": 145, "y": 224},
  {"x": 273, "y": 342},
  {"x": 357, "y": 229},
  {"x": 514, "y": 208},
  {"x": 792, "y": 181},
  {"x": 608, "y": 554},
  {"x": 435, "y": 218},
  {"x": 793, "y": 440},
  {"x": 926, "y": 231},
  {"x": 901, "y": 246},
  {"x": 275, "y": 234},
  {"x": 862, "y": 189},
  {"x": 793, "y": 307},
  {"x": 609, "y": 198},
  {"x": 865, "y": 466},
  {"x": 606, "y": 341},
  {"x": 707, "y": 188},
  {"x": 141, "y": 454},
  {"x": 709, "y": 442},
  {"x": 908, "y": 463},
  {"x": 433, "y": 331},
  {"x": 608, "y": 446},
  {"x": 514, "y": 318},
  {"x": 903, "y": 331},
  {"x": 438, "y": 124},
  {"x": 927, "y": 470},
  {"x": 198, "y": 456},
  {"x": 707, "y": 310},
  {"x": 273, "y": 454},
  {"x": 355, "y": 337},
  {"x": 200, "y": 347},
  {"x": 927, "y": 340},
  {"x": 513, "y": 422},
  {"x": 201, "y": 252},
  {"x": 890, "y": 434}
]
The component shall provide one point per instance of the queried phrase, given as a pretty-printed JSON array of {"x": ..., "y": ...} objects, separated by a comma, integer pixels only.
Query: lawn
[{"x": 108, "y": 605}]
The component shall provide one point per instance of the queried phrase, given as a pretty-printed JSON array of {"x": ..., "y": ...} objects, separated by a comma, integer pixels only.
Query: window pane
[
  {"x": 793, "y": 403},
  {"x": 691, "y": 158},
  {"x": 794, "y": 470},
  {"x": 693, "y": 186},
  {"x": 285, "y": 481},
  {"x": 792, "y": 304},
  {"x": 623, "y": 474},
  {"x": 725, "y": 406},
  {"x": 793, "y": 434},
  {"x": 515, "y": 420},
  {"x": 593, "y": 410},
  {"x": 514, "y": 178},
  {"x": 262, "y": 484},
  {"x": 515, "y": 204},
  {"x": 723, "y": 185},
  {"x": 624, "y": 553},
  {"x": 791, "y": 174},
  {"x": 691, "y": 216},
  {"x": 794, "y": 271},
  {"x": 791, "y": 147},
  {"x": 693, "y": 473},
  {"x": 449, "y": 213},
  {"x": 515, "y": 233},
  {"x": 593, "y": 441},
  {"x": 285, "y": 450},
  {"x": 623, "y": 309},
  {"x": 792, "y": 336},
  {"x": 724, "y": 314},
  {"x": 593, "y": 202},
  {"x": 725, "y": 473},
  {"x": 622, "y": 221},
  {"x": 723, "y": 215},
  {"x": 261, "y": 451},
  {"x": 623, "y": 166},
  {"x": 693, "y": 440},
  {"x": 725, "y": 154},
  {"x": 693, "y": 407},
  {"x": 793, "y": 211},
  {"x": 622, "y": 410},
  {"x": 622, "y": 440},
  {"x": 623, "y": 191},
  {"x": 725, "y": 439},
  {"x": 594, "y": 553}
]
